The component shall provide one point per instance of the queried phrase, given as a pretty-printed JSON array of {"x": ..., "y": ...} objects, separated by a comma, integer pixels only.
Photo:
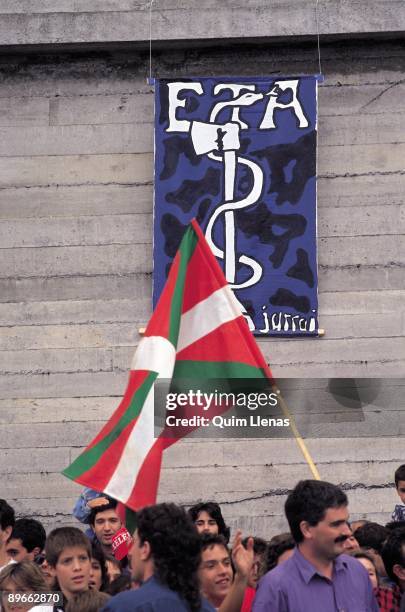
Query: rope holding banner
[
  {"x": 150, "y": 80},
  {"x": 318, "y": 40}
]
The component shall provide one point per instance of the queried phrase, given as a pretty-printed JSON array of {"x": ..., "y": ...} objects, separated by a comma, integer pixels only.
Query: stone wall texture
[{"x": 76, "y": 182}]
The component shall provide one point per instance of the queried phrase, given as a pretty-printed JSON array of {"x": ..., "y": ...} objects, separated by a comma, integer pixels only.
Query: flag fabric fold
[{"x": 196, "y": 330}]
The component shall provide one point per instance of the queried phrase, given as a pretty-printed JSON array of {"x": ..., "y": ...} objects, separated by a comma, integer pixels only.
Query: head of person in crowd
[
  {"x": 368, "y": 563},
  {"x": 392, "y": 525},
  {"x": 317, "y": 514},
  {"x": 121, "y": 583},
  {"x": 46, "y": 570},
  {"x": 215, "y": 572},
  {"x": 351, "y": 544},
  {"x": 19, "y": 578},
  {"x": 280, "y": 548},
  {"x": 259, "y": 560},
  {"x": 114, "y": 568},
  {"x": 27, "y": 540},
  {"x": 393, "y": 554},
  {"x": 400, "y": 482},
  {"x": 7, "y": 520},
  {"x": 87, "y": 601},
  {"x": 166, "y": 545},
  {"x": 48, "y": 574},
  {"x": 105, "y": 522},
  {"x": 207, "y": 517},
  {"x": 371, "y": 537},
  {"x": 68, "y": 553},
  {"x": 98, "y": 573},
  {"x": 356, "y": 524}
]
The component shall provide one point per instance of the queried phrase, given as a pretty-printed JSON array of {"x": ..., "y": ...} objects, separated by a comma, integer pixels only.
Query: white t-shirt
[{"x": 44, "y": 608}]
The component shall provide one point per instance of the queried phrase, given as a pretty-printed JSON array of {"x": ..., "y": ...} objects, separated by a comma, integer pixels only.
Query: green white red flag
[{"x": 196, "y": 331}]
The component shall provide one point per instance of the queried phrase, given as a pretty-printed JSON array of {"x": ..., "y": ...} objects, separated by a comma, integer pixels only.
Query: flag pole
[{"x": 298, "y": 438}]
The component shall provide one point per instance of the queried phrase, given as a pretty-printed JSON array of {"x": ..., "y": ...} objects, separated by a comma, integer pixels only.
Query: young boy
[
  {"x": 399, "y": 511},
  {"x": 68, "y": 554},
  {"x": 218, "y": 581},
  {"x": 27, "y": 540}
]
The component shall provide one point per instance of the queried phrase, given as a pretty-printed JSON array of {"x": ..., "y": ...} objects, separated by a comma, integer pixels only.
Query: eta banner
[{"x": 239, "y": 155}]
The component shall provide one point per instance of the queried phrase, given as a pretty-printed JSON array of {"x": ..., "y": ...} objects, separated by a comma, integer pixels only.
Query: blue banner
[{"x": 239, "y": 154}]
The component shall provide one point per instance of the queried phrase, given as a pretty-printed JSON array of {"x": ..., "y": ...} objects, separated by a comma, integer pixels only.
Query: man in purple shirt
[{"x": 318, "y": 577}]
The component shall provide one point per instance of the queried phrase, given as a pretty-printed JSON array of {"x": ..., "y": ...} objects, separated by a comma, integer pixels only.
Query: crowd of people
[{"x": 182, "y": 560}]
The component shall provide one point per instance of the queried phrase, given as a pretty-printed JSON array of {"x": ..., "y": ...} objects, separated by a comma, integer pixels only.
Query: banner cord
[
  {"x": 150, "y": 40},
  {"x": 318, "y": 36}
]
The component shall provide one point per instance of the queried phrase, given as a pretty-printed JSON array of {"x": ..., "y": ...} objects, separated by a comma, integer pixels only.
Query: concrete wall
[
  {"x": 76, "y": 173},
  {"x": 99, "y": 22}
]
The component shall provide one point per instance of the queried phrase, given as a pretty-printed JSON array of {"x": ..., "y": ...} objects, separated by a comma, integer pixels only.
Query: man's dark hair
[
  {"x": 259, "y": 545},
  {"x": 112, "y": 505},
  {"x": 214, "y": 511},
  {"x": 399, "y": 474},
  {"x": 212, "y": 539},
  {"x": 393, "y": 552},
  {"x": 7, "y": 516},
  {"x": 371, "y": 535},
  {"x": 393, "y": 525},
  {"x": 119, "y": 584},
  {"x": 30, "y": 532},
  {"x": 277, "y": 546},
  {"x": 309, "y": 502},
  {"x": 175, "y": 548}
]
